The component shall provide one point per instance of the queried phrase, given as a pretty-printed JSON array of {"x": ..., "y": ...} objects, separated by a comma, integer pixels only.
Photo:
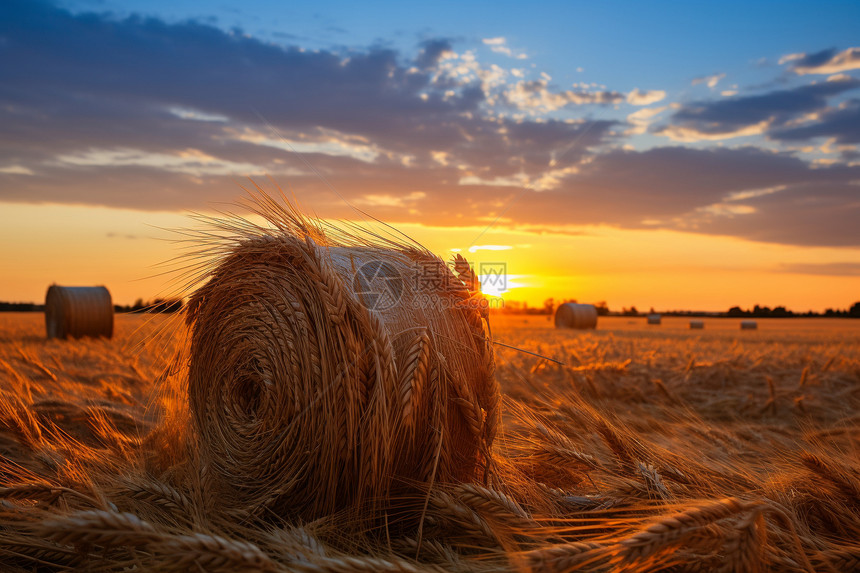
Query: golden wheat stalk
[
  {"x": 96, "y": 527},
  {"x": 673, "y": 529},
  {"x": 567, "y": 556},
  {"x": 203, "y": 552}
]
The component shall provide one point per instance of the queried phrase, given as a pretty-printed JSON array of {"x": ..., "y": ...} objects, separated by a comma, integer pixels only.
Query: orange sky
[{"x": 664, "y": 269}]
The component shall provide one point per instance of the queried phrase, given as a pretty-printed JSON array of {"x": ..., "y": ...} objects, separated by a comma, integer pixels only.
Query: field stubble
[{"x": 649, "y": 449}]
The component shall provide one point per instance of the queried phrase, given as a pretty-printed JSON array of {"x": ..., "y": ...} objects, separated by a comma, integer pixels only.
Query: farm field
[{"x": 652, "y": 448}]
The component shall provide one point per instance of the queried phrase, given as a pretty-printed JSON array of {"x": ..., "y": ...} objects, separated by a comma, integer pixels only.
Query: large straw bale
[{"x": 332, "y": 370}]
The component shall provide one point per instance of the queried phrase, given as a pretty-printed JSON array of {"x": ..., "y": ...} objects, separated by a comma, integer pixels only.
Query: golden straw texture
[{"x": 325, "y": 374}]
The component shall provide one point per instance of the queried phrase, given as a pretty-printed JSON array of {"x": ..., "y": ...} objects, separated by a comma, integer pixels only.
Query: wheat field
[{"x": 648, "y": 449}]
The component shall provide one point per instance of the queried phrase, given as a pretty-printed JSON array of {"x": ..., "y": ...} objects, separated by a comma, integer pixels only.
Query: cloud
[
  {"x": 432, "y": 51},
  {"x": 385, "y": 200},
  {"x": 646, "y": 113},
  {"x": 15, "y": 170},
  {"x": 686, "y": 134},
  {"x": 639, "y": 97},
  {"x": 323, "y": 141},
  {"x": 85, "y": 130},
  {"x": 668, "y": 182},
  {"x": 750, "y": 115},
  {"x": 642, "y": 118},
  {"x": 850, "y": 155},
  {"x": 193, "y": 66},
  {"x": 710, "y": 81},
  {"x": 196, "y": 115},
  {"x": 838, "y": 269},
  {"x": 439, "y": 138},
  {"x": 824, "y": 62},
  {"x": 810, "y": 214},
  {"x": 517, "y": 180},
  {"x": 112, "y": 235},
  {"x": 499, "y": 41},
  {"x": 460, "y": 71},
  {"x": 745, "y": 192},
  {"x": 499, "y": 46},
  {"x": 178, "y": 132},
  {"x": 841, "y": 123},
  {"x": 535, "y": 95},
  {"x": 187, "y": 161},
  {"x": 476, "y": 248}
]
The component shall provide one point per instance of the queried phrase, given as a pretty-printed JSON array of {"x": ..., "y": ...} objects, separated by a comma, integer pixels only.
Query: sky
[{"x": 664, "y": 154}]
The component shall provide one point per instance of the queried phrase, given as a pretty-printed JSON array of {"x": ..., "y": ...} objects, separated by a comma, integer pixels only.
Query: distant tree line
[
  {"x": 781, "y": 312},
  {"x": 21, "y": 307},
  {"x": 158, "y": 305},
  {"x": 550, "y": 305}
]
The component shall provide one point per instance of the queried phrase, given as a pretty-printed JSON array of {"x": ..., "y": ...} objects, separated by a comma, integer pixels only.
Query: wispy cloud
[
  {"x": 710, "y": 81},
  {"x": 385, "y": 200},
  {"x": 642, "y": 118},
  {"x": 824, "y": 62},
  {"x": 499, "y": 46},
  {"x": 751, "y": 115},
  {"x": 16, "y": 170},
  {"x": 187, "y": 161},
  {"x": 646, "y": 97},
  {"x": 842, "y": 269},
  {"x": 197, "y": 115},
  {"x": 535, "y": 95},
  {"x": 841, "y": 123},
  {"x": 476, "y": 248}
]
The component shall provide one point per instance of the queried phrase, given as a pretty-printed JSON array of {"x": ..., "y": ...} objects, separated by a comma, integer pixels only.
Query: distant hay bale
[
  {"x": 78, "y": 311},
  {"x": 654, "y": 319},
  {"x": 579, "y": 316},
  {"x": 697, "y": 324},
  {"x": 328, "y": 370},
  {"x": 749, "y": 325}
]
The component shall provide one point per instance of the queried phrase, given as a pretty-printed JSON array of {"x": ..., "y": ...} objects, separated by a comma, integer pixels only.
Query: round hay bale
[
  {"x": 579, "y": 316},
  {"x": 330, "y": 374},
  {"x": 654, "y": 319},
  {"x": 697, "y": 324},
  {"x": 78, "y": 311},
  {"x": 749, "y": 325}
]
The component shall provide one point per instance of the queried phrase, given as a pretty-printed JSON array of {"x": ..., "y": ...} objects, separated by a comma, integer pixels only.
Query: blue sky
[
  {"x": 733, "y": 120},
  {"x": 623, "y": 44}
]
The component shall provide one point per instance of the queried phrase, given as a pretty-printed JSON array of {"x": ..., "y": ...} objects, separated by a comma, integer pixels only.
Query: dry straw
[
  {"x": 330, "y": 370},
  {"x": 579, "y": 316},
  {"x": 78, "y": 311}
]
